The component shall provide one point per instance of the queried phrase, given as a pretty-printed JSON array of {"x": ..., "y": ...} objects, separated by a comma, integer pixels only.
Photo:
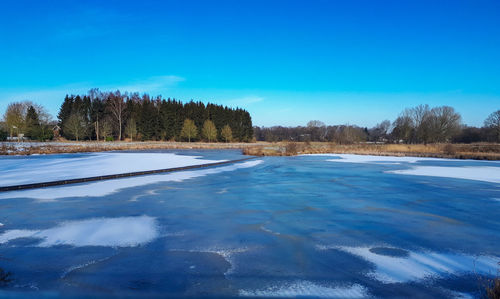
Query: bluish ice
[{"x": 307, "y": 226}]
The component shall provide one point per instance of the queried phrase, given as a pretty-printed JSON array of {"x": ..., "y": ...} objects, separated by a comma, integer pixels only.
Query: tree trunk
[
  {"x": 97, "y": 130},
  {"x": 120, "y": 134}
]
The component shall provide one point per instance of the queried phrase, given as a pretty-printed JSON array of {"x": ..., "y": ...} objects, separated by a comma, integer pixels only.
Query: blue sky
[{"x": 287, "y": 62}]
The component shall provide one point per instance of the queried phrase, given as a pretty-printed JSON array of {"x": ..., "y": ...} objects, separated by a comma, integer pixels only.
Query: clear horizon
[{"x": 286, "y": 62}]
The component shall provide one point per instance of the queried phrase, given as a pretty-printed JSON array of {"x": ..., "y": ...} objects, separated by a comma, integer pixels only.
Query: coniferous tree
[
  {"x": 32, "y": 123},
  {"x": 65, "y": 113}
]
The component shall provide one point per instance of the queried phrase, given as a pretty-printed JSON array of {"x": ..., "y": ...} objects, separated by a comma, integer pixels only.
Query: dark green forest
[{"x": 115, "y": 116}]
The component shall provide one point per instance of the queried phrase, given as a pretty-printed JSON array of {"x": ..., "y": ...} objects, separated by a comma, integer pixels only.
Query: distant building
[{"x": 57, "y": 131}]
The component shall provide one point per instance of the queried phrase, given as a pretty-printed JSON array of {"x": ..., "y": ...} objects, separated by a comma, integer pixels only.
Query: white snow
[
  {"x": 307, "y": 289},
  {"x": 477, "y": 173},
  {"x": 350, "y": 158},
  {"x": 113, "y": 232},
  {"x": 28, "y": 170},
  {"x": 107, "y": 187},
  {"x": 420, "y": 265}
]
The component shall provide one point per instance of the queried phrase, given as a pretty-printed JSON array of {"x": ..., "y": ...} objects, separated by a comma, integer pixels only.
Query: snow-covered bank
[
  {"x": 103, "y": 188},
  {"x": 34, "y": 170}
]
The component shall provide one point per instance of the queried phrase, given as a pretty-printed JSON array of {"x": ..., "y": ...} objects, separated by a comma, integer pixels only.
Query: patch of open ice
[
  {"x": 477, "y": 173},
  {"x": 420, "y": 265},
  {"x": 113, "y": 232},
  {"x": 27, "y": 170},
  {"x": 103, "y": 188},
  {"x": 307, "y": 289}
]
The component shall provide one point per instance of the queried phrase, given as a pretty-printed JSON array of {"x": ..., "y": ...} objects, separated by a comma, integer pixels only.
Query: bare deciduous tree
[
  {"x": 209, "y": 130},
  {"x": 75, "y": 125},
  {"x": 106, "y": 128},
  {"x": 189, "y": 129},
  {"x": 444, "y": 124},
  {"x": 116, "y": 106},
  {"x": 227, "y": 133},
  {"x": 493, "y": 122},
  {"x": 14, "y": 117}
]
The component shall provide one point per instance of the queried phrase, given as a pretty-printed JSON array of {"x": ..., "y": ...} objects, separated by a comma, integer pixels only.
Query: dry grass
[
  {"x": 480, "y": 151},
  {"x": 457, "y": 151},
  {"x": 79, "y": 147}
]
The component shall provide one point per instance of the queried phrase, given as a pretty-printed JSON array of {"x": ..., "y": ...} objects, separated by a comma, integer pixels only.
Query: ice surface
[
  {"x": 113, "y": 232},
  {"x": 477, "y": 173},
  {"x": 307, "y": 289},
  {"x": 29, "y": 170},
  {"x": 226, "y": 253},
  {"x": 107, "y": 187},
  {"x": 420, "y": 265}
]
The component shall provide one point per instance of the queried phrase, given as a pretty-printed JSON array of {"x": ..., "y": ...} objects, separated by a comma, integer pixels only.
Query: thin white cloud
[
  {"x": 151, "y": 85},
  {"x": 248, "y": 100}
]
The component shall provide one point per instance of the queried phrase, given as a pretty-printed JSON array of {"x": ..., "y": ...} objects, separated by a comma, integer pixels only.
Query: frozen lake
[{"x": 325, "y": 226}]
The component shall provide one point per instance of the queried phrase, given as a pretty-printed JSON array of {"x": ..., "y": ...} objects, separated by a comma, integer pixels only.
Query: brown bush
[
  {"x": 291, "y": 149},
  {"x": 449, "y": 149}
]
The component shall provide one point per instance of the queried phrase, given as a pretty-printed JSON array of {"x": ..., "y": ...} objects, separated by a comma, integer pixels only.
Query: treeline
[
  {"x": 26, "y": 120},
  {"x": 115, "y": 115},
  {"x": 420, "y": 124}
]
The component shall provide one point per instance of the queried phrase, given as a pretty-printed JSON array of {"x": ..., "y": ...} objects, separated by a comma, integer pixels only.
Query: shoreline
[{"x": 475, "y": 151}]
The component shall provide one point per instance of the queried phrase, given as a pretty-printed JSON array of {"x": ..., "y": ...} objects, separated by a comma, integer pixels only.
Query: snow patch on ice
[
  {"x": 477, "y": 173},
  {"x": 103, "y": 188},
  {"x": 28, "y": 170},
  {"x": 307, "y": 289},
  {"x": 350, "y": 158},
  {"x": 419, "y": 265},
  {"x": 113, "y": 232}
]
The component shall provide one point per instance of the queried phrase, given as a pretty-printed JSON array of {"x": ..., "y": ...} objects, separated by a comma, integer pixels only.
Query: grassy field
[{"x": 481, "y": 151}]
